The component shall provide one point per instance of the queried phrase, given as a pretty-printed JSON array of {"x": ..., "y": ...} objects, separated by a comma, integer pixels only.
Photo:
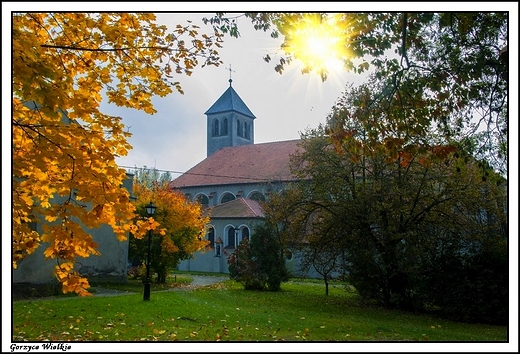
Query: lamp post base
[{"x": 146, "y": 290}]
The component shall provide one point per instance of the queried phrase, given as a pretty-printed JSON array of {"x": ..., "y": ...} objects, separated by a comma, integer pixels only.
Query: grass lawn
[{"x": 226, "y": 312}]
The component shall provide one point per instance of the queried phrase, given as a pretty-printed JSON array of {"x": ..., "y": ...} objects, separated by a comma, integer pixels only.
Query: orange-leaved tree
[
  {"x": 184, "y": 224},
  {"x": 64, "y": 147}
]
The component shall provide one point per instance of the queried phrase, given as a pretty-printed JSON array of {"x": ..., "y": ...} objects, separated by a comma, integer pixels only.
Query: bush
[
  {"x": 133, "y": 272},
  {"x": 473, "y": 290},
  {"x": 259, "y": 264},
  {"x": 465, "y": 285}
]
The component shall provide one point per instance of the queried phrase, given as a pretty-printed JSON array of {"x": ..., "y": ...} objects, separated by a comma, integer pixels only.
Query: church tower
[{"x": 229, "y": 122}]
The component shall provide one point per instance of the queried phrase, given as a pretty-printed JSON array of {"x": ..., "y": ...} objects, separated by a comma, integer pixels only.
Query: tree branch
[
  {"x": 405, "y": 23},
  {"x": 98, "y": 49}
]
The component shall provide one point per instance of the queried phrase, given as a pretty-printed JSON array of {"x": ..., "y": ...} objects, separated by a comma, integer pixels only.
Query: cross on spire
[{"x": 230, "y": 80}]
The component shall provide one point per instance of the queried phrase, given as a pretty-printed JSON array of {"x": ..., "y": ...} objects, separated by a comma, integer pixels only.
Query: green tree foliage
[
  {"x": 151, "y": 176},
  {"x": 408, "y": 227},
  {"x": 308, "y": 230},
  {"x": 259, "y": 263}
]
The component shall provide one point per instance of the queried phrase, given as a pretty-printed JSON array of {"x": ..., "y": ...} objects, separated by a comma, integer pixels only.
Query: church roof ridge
[
  {"x": 245, "y": 200},
  {"x": 276, "y": 141},
  {"x": 238, "y": 208}
]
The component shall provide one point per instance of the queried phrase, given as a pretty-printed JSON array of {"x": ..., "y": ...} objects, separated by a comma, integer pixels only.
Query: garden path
[{"x": 198, "y": 281}]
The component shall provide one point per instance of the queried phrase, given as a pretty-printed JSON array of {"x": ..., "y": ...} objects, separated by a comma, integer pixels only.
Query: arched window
[
  {"x": 211, "y": 237},
  {"x": 227, "y": 197},
  {"x": 215, "y": 127},
  {"x": 224, "y": 126},
  {"x": 203, "y": 200},
  {"x": 231, "y": 237},
  {"x": 245, "y": 233},
  {"x": 246, "y": 130},
  {"x": 239, "y": 128},
  {"x": 257, "y": 196}
]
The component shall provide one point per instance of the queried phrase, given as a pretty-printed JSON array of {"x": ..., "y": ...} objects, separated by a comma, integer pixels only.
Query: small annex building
[
  {"x": 110, "y": 265},
  {"x": 233, "y": 180}
]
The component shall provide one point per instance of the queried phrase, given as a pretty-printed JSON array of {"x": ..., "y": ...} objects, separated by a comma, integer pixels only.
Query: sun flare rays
[{"x": 318, "y": 41}]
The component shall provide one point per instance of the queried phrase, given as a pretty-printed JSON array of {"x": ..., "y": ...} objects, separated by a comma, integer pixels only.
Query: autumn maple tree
[
  {"x": 183, "y": 226},
  {"x": 64, "y": 146}
]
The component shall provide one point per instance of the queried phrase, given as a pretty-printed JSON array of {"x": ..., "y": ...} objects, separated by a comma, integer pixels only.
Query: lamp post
[{"x": 150, "y": 210}]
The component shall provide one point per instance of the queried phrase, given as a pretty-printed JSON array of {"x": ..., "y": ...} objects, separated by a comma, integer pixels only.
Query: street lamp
[{"x": 150, "y": 210}]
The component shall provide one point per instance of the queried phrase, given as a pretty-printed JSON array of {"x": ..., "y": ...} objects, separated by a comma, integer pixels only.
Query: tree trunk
[
  {"x": 161, "y": 277},
  {"x": 326, "y": 286}
]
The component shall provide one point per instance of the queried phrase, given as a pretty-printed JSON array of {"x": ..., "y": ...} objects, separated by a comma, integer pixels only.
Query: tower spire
[
  {"x": 229, "y": 121},
  {"x": 230, "y": 80}
]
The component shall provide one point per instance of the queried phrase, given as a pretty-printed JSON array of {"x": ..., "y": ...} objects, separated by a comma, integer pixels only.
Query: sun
[{"x": 318, "y": 41}]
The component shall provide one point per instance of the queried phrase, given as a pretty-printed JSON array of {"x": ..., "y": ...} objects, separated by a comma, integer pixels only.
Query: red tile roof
[
  {"x": 238, "y": 208},
  {"x": 242, "y": 164}
]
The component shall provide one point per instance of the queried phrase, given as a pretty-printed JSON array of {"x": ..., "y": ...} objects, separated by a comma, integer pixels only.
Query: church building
[{"x": 235, "y": 176}]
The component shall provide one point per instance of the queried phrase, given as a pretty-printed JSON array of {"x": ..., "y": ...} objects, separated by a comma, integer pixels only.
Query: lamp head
[{"x": 150, "y": 209}]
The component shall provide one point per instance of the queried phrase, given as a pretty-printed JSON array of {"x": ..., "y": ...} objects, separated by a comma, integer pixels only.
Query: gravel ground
[{"x": 198, "y": 281}]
